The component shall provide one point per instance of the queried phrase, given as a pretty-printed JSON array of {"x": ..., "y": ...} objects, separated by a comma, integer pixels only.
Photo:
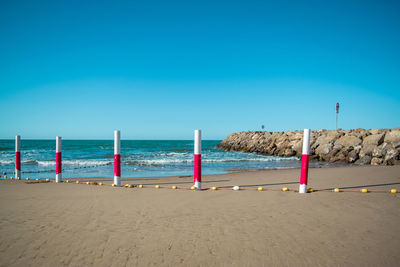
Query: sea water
[{"x": 139, "y": 158}]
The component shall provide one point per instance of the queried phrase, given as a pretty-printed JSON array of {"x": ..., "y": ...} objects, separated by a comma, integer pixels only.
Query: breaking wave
[{"x": 159, "y": 162}]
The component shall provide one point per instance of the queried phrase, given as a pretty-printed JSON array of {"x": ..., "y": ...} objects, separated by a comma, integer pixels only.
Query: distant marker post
[
  {"x": 18, "y": 156},
  {"x": 337, "y": 114},
  {"x": 197, "y": 159},
  {"x": 58, "y": 160},
  {"x": 304, "y": 162},
  {"x": 117, "y": 158}
]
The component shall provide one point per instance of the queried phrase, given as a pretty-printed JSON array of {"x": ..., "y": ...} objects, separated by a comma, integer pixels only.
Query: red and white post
[
  {"x": 304, "y": 162},
  {"x": 117, "y": 158},
  {"x": 17, "y": 156},
  {"x": 197, "y": 159},
  {"x": 58, "y": 160}
]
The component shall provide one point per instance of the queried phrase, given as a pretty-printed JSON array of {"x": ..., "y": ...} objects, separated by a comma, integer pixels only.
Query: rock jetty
[{"x": 356, "y": 146}]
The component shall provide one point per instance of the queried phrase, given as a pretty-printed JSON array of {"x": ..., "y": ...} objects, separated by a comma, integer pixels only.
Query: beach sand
[{"x": 48, "y": 224}]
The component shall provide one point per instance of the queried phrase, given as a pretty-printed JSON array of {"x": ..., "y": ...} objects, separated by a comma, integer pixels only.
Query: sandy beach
[{"x": 69, "y": 224}]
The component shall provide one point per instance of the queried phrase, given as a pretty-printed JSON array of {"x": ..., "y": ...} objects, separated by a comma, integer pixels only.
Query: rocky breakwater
[{"x": 358, "y": 146}]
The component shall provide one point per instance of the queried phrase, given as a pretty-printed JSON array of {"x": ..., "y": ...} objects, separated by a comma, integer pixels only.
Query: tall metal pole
[
  {"x": 197, "y": 159},
  {"x": 58, "y": 160},
  {"x": 117, "y": 158},
  {"x": 17, "y": 156},
  {"x": 304, "y": 162}
]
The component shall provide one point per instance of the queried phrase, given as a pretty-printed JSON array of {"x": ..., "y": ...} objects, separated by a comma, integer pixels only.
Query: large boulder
[
  {"x": 329, "y": 157},
  {"x": 323, "y": 149},
  {"x": 374, "y": 139},
  {"x": 376, "y": 161},
  {"x": 367, "y": 150},
  {"x": 392, "y": 136},
  {"x": 348, "y": 141},
  {"x": 298, "y": 147},
  {"x": 267, "y": 136},
  {"x": 339, "y": 157},
  {"x": 377, "y": 152},
  {"x": 352, "y": 156},
  {"x": 289, "y": 152},
  {"x": 325, "y": 139},
  {"x": 391, "y": 155},
  {"x": 375, "y": 131},
  {"x": 364, "y": 160}
]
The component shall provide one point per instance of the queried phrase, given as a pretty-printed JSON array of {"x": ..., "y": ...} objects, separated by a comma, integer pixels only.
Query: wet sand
[{"x": 48, "y": 224}]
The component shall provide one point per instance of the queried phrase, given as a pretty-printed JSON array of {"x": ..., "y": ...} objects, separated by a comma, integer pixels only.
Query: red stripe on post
[
  {"x": 18, "y": 161},
  {"x": 58, "y": 163},
  {"x": 197, "y": 168},
  {"x": 304, "y": 169},
  {"x": 117, "y": 165}
]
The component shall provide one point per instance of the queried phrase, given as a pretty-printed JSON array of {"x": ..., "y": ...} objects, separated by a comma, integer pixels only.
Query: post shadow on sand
[
  {"x": 356, "y": 186},
  {"x": 189, "y": 182},
  {"x": 257, "y": 185}
]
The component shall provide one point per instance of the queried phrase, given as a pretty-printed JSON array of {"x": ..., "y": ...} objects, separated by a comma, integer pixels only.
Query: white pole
[
  {"x": 117, "y": 158},
  {"x": 304, "y": 162},
  {"x": 17, "y": 156},
  {"x": 197, "y": 159},
  {"x": 58, "y": 160}
]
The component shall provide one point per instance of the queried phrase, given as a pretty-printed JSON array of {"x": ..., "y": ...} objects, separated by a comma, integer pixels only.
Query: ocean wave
[
  {"x": 76, "y": 163},
  {"x": 156, "y": 162},
  {"x": 30, "y": 161},
  {"x": 6, "y": 162},
  {"x": 172, "y": 158},
  {"x": 25, "y": 162},
  {"x": 160, "y": 162}
]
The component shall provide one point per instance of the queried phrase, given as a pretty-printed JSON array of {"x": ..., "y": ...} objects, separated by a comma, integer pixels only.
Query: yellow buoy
[
  {"x": 260, "y": 188},
  {"x": 113, "y": 185},
  {"x": 87, "y": 182},
  {"x": 157, "y": 186},
  {"x": 27, "y": 178},
  {"x": 364, "y": 190},
  {"x": 67, "y": 181},
  {"x": 140, "y": 186},
  {"x": 213, "y": 188},
  {"x": 77, "y": 182},
  {"x": 11, "y": 178},
  {"x": 174, "y": 187},
  {"x": 310, "y": 190},
  {"x": 193, "y": 188},
  {"x": 18, "y": 178},
  {"x": 285, "y": 189},
  {"x": 5, "y": 176},
  {"x": 336, "y": 190},
  {"x": 127, "y": 185},
  {"x": 100, "y": 183},
  {"x": 130, "y": 186},
  {"x": 393, "y": 191}
]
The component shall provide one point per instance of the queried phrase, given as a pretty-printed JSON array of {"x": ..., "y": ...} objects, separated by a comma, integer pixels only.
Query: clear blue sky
[{"x": 160, "y": 69}]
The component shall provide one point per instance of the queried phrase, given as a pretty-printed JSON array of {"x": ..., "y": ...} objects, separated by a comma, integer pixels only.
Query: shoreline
[{"x": 221, "y": 181}]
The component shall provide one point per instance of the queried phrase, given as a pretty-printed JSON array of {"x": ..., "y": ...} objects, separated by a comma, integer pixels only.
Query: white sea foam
[
  {"x": 29, "y": 161},
  {"x": 166, "y": 161},
  {"x": 76, "y": 162},
  {"x": 12, "y": 162}
]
